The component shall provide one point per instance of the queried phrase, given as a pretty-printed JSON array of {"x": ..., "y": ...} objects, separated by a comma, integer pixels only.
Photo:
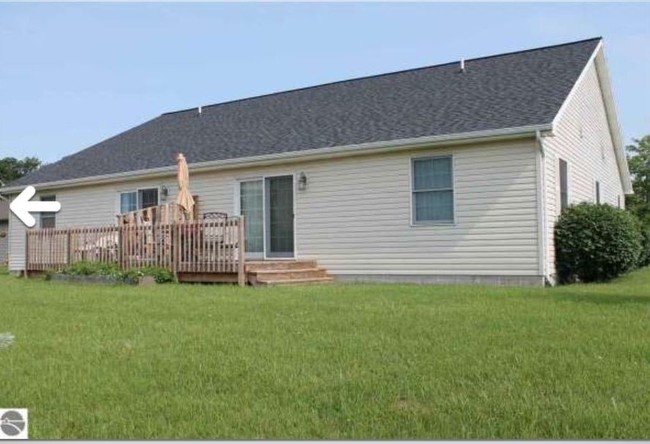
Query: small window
[
  {"x": 597, "y": 192},
  {"x": 148, "y": 198},
  {"x": 433, "y": 191},
  {"x": 564, "y": 185},
  {"x": 128, "y": 202},
  {"x": 137, "y": 200},
  {"x": 48, "y": 219}
]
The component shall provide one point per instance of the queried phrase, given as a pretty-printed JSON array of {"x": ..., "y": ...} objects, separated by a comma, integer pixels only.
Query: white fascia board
[
  {"x": 612, "y": 120},
  {"x": 576, "y": 85},
  {"x": 298, "y": 156},
  {"x": 598, "y": 59}
]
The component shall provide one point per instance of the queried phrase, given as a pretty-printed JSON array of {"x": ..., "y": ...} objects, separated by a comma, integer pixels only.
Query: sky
[{"x": 72, "y": 75}]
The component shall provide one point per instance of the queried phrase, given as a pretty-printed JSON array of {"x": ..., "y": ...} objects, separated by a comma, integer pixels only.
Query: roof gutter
[{"x": 306, "y": 155}]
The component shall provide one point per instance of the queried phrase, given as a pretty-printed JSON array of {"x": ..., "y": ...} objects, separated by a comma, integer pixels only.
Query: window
[
  {"x": 48, "y": 220},
  {"x": 128, "y": 202},
  {"x": 433, "y": 190},
  {"x": 597, "y": 192},
  {"x": 148, "y": 198},
  {"x": 564, "y": 185},
  {"x": 137, "y": 200}
]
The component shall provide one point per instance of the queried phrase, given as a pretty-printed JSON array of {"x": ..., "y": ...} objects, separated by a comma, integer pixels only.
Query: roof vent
[
  {"x": 200, "y": 110},
  {"x": 462, "y": 65}
]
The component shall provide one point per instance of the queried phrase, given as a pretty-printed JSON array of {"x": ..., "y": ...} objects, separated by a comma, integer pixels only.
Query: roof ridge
[
  {"x": 540, "y": 48},
  {"x": 373, "y": 76}
]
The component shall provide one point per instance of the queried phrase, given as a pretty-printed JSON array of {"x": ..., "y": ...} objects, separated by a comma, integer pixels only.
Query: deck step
[
  {"x": 319, "y": 280},
  {"x": 252, "y": 266},
  {"x": 298, "y": 273},
  {"x": 286, "y": 272}
]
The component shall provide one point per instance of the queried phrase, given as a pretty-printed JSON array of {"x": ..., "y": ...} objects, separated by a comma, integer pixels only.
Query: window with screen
[
  {"x": 137, "y": 200},
  {"x": 433, "y": 190},
  {"x": 148, "y": 198},
  {"x": 48, "y": 219}
]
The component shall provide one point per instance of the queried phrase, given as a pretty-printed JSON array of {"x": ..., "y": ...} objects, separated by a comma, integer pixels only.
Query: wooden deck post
[
  {"x": 26, "y": 254},
  {"x": 68, "y": 246},
  {"x": 174, "y": 239},
  {"x": 120, "y": 248},
  {"x": 241, "y": 241}
]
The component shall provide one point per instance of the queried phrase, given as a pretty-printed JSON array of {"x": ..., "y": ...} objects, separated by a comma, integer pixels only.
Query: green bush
[
  {"x": 160, "y": 275},
  {"x": 596, "y": 243},
  {"x": 644, "y": 259},
  {"x": 83, "y": 268}
]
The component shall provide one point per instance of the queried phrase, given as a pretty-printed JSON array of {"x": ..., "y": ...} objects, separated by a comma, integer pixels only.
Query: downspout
[{"x": 541, "y": 206}]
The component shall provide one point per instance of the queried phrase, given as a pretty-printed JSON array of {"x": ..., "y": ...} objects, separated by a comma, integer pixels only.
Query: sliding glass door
[
  {"x": 279, "y": 216},
  {"x": 251, "y": 201},
  {"x": 267, "y": 205}
]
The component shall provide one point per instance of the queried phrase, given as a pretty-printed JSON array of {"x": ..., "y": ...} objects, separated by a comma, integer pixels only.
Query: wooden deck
[
  {"x": 187, "y": 248},
  {"x": 211, "y": 250}
]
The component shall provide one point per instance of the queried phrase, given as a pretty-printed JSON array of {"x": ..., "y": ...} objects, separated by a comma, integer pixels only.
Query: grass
[{"x": 339, "y": 361}]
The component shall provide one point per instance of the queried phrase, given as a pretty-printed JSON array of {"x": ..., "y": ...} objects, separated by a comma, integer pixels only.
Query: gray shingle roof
[{"x": 504, "y": 91}]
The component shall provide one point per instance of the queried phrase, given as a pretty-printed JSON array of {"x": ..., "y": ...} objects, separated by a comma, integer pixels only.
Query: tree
[
  {"x": 12, "y": 169},
  {"x": 639, "y": 162}
]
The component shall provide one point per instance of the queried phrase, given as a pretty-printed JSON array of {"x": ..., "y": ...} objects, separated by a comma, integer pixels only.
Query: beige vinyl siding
[
  {"x": 582, "y": 138},
  {"x": 355, "y": 215}
]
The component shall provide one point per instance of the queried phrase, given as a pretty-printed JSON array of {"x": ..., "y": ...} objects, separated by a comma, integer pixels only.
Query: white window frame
[
  {"x": 47, "y": 215},
  {"x": 451, "y": 222},
  {"x": 118, "y": 203}
]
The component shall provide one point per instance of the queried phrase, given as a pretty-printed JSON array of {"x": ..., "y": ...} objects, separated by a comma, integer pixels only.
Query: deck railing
[
  {"x": 213, "y": 246},
  {"x": 168, "y": 213}
]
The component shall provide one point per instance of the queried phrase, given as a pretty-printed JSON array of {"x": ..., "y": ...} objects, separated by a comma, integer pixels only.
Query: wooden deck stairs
[{"x": 286, "y": 272}]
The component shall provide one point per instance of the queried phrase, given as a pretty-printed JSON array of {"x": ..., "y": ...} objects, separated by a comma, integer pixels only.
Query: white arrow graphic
[{"x": 22, "y": 206}]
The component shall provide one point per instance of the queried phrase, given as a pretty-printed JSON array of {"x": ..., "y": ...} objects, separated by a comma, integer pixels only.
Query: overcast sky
[{"x": 72, "y": 75}]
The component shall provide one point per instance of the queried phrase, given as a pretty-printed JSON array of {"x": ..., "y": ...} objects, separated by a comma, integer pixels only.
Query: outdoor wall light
[
  {"x": 164, "y": 192},
  {"x": 302, "y": 182}
]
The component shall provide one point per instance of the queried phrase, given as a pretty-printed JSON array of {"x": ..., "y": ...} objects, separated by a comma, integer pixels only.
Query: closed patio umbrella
[{"x": 185, "y": 199}]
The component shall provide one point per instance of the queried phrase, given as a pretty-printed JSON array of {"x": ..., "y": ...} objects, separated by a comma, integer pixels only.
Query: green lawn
[{"x": 339, "y": 361}]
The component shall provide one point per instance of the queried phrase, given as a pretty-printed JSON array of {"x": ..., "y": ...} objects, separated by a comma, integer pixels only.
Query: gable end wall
[{"x": 582, "y": 137}]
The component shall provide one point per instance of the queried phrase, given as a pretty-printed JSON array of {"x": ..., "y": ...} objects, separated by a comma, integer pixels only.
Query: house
[
  {"x": 4, "y": 231},
  {"x": 448, "y": 173}
]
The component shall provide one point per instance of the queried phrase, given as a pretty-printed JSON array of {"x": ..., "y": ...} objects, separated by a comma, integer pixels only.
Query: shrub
[
  {"x": 644, "y": 259},
  {"x": 85, "y": 268},
  {"x": 160, "y": 275},
  {"x": 596, "y": 243}
]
